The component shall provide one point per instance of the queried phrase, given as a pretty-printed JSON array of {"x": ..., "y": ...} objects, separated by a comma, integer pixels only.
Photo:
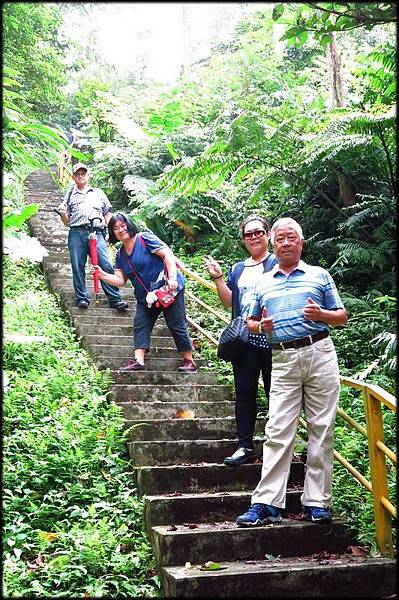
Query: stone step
[
  {"x": 176, "y": 509},
  {"x": 101, "y": 304},
  {"x": 101, "y": 312},
  {"x": 168, "y": 410},
  {"x": 171, "y": 393},
  {"x": 205, "y": 477},
  {"x": 164, "y": 378},
  {"x": 57, "y": 257},
  {"x": 201, "y": 377},
  {"x": 153, "y": 363},
  {"x": 95, "y": 326},
  {"x": 224, "y": 541},
  {"x": 120, "y": 345},
  {"x": 160, "y": 348},
  {"x": 177, "y": 452},
  {"x": 186, "y": 428},
  {"x": 69, "y": 295},
  {"x": 316, "y": 576}
]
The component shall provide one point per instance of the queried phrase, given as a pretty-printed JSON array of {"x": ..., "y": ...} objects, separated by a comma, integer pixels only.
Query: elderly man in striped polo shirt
[{"x": 295, "y": 303}]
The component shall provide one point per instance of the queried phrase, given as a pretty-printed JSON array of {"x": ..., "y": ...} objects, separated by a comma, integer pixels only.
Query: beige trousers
[{"x": 305, "y": 378}]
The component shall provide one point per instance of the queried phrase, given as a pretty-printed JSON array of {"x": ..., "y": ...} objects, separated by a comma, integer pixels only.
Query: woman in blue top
[
  {"x": 257, "y": 358},
  {"x": 149, "y": 264}
]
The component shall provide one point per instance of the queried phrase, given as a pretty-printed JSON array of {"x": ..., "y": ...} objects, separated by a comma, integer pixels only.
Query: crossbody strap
[{"x": 134, "y": 270}]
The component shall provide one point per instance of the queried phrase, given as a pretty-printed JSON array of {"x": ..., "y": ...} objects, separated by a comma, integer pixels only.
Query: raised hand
[
  {"x": 312, "y": 310},
  {"x": 212, "y": 266},
  {"x": 266, "y": 322}
]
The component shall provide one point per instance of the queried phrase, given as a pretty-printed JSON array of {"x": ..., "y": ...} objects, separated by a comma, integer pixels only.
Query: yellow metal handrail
[
  {"x": 63, "y": 168},
  {"x": 373, "y": 396}
]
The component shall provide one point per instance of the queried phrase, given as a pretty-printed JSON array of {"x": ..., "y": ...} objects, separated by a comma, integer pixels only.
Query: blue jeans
[
  {"x": 175, "y": 317},
  {"x": 247, "y": 369},
  {"x": 78, "y": 246}
]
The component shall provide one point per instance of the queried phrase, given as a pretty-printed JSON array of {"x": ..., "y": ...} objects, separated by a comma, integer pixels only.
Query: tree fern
[{"x": 195, "y": 175}]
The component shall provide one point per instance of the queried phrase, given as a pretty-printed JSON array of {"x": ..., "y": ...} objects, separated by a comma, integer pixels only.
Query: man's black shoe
[
  {"x": 83, "y": 304},
  {"x": 240, "y": 457},
  {"x": 120, "y": 306}
]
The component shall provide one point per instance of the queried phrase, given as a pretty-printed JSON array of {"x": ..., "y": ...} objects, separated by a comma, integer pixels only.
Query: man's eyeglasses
[{"x": 258, "y": 233}]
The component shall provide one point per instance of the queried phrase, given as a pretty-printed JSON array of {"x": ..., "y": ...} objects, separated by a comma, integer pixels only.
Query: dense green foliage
[
  {"x": 253, "y": 127},
  {"x": 31, "y": 47},
  {"x": 73, "y": 524}
]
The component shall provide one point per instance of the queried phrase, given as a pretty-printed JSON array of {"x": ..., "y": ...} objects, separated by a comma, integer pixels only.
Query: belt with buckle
[
  {"x": 87, "y": 227},
  {"x": 301, "y": 342}
]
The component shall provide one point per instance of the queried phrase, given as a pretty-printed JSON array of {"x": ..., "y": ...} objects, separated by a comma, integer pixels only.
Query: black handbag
[{"x": 233, "y": 340}]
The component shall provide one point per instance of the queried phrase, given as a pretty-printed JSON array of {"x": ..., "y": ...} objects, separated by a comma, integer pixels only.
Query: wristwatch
[{"x": 260, "y": 329}]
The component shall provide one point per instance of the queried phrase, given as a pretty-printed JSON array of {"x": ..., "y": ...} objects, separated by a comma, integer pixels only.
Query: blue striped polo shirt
[{"x": 285, "y": 297}]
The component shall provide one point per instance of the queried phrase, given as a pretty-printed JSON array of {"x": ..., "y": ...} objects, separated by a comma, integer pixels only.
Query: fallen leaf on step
[
  {"x": 184, "y": 414},
  {"x": 212, "y": 566},
  {"x": 358, "y": 550},
  {"x": 172, "y": 528}
]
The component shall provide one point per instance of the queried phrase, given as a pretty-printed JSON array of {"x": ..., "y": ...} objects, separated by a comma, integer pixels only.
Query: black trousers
[{"x": 247, "y": 369}]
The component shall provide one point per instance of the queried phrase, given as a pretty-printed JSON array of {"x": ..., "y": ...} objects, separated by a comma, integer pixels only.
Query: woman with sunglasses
[
  {"x": 257, "y": 358},
  {"x": 149, "y": 264}
]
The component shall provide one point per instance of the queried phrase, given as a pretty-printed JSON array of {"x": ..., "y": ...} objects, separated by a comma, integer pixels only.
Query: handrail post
[{"x": 378, "y": 468}]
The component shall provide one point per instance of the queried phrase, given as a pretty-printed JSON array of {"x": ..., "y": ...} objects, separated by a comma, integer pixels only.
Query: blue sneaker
[
  {"x": 259, "y": 514},
  {"x": 316, "y": 514}
]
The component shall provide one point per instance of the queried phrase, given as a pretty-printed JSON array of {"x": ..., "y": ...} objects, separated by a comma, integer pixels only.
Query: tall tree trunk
[
  {"x": 336, "y": 75},
  {"x": 185, "y": 39}
]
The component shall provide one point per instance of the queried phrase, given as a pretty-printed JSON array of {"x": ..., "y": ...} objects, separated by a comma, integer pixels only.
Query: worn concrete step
[
  {"x": 164, "y": 378},
  {"x": 206, "y": 477},
  {"x": 176, "y": 509},
  {"x": 168, "y": 410},
  {"x": 57, "y": 257},
  {"x": 160, "y": 348},
  {"x": 100, "y": 342},
  {"x": 316, "y": 576},
  {"x": 153, "y": 363},
  {"x": 101, "y": 312},
  {"x": 101, "y": 303},
  {"x": 154, "y": 352},
  {"x": 88, "y": 323},
  {"x": 68, "y": 295},
  {"x": 186, "y": 428},
  {"x": 176, "y": 452},
  {"x": 95, "y": 326},
  {"x": 226, "y": 541},
  {"x": 171, "y": 393},
  {"x": 56, "y": 239}
]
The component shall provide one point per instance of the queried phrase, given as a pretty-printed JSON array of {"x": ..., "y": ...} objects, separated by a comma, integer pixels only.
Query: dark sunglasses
[{"x": 258, "y": 233}]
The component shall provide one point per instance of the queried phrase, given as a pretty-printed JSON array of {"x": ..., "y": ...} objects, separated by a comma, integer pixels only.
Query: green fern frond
[
  {"x": 386, "y": 59},
  {"x": 367, "y": 124},
  {"x": 196, "y": 175},
  {"x": 330, "y": 150}
]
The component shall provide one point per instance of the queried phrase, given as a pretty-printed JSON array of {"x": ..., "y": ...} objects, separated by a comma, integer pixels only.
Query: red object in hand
[{"x": 94, "y": 260}]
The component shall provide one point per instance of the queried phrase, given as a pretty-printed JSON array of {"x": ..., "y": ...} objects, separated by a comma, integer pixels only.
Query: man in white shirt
[{"x": 83, "y": 206}]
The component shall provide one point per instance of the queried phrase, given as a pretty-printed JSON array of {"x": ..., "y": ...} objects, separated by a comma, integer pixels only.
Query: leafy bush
[{"x": 73, "y": 524}]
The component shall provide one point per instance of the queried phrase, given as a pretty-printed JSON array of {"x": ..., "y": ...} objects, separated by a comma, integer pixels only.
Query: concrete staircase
[{"x": 181, "y": 426}]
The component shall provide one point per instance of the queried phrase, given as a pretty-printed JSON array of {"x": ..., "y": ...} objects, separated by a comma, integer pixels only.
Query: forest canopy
[{"x": 291, "y": 112}]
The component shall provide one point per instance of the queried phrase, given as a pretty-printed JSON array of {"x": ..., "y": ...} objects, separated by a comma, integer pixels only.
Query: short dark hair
[
  {"x": 247, "y": 220},
  {"x": 120, "y": 216}
]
